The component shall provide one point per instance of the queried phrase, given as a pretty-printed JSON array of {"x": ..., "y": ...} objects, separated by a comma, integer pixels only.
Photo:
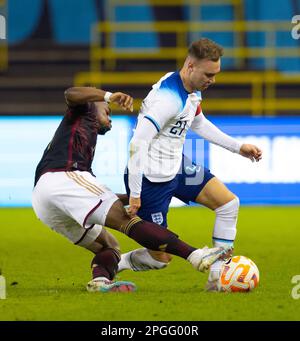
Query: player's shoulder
[
  {"x": 167, "y": 92},
  {"x": 172, "y": 85}
]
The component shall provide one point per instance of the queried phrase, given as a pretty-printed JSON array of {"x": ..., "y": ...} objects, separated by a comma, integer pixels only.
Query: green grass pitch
[{"x": 46, "y": 275}]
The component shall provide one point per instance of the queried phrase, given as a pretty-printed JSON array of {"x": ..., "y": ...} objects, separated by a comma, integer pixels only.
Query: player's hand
[
  {"x": 251, "y": 152},
  {"x": 134, "y": 205},
  {"x": 124, "y": 101}
]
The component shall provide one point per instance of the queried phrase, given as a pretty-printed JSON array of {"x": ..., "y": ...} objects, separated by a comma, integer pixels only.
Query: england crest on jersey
[{"x": 157, "y": 218}]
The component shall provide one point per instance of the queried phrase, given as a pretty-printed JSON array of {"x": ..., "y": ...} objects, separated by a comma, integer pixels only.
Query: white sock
[
  {"x": 224, "y": 232},
  {"x": 226, "y": 220},
  {"x": 139, "y": 260}
]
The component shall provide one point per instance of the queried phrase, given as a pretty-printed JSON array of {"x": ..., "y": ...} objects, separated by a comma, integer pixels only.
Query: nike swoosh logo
[{"x": 193, "y": 168}]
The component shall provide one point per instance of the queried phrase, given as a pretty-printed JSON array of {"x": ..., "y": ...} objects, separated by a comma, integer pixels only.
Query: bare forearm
[{"x": 81, "y": 95}]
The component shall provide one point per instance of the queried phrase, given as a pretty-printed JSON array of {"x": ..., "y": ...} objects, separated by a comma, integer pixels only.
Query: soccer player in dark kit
[{"x": 68, "y": 198}]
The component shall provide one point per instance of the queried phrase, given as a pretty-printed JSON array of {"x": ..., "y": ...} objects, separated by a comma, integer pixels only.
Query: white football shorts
[{"x": 65, "y": 201}]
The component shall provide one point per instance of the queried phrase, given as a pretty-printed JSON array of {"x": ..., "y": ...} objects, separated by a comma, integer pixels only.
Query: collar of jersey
[{"x": 194, "y": 93}]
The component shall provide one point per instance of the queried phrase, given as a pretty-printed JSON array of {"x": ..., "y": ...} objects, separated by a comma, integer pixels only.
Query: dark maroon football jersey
[{"x": 73, "y": 144}]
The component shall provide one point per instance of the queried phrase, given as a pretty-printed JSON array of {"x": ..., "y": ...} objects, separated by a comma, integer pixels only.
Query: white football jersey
[{"x": 172, "y": 110}]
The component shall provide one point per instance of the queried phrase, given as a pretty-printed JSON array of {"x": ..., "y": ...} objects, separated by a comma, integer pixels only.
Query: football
[{"x": 239, "y": 274}]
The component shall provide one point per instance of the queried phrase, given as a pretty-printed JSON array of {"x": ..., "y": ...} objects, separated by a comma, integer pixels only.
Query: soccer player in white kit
[
  {"x": 157, "y": 170},
  {"x": 68, "y": 198}
]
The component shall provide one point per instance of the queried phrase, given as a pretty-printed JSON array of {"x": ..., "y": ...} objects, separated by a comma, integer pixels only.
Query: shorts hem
[{"x": 90, "y": 213}]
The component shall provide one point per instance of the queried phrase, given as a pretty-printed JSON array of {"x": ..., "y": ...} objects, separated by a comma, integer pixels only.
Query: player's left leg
[
  {"x": 216, "y": 196},
  {"x": 197, "y": 184},
  {"x": 105, "y": 264},
  {"x": 111, "y": 213}
]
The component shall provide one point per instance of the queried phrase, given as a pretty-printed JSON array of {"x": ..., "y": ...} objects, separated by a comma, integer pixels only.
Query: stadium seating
[
  {"x": 125, "y": 52},
  {"x": 97, "y": 42}
]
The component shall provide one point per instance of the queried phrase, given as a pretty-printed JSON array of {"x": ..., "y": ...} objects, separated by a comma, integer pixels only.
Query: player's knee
[{"x": 230, "y": 209}]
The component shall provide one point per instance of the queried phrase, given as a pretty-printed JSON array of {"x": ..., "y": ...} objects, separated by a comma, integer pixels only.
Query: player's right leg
[{"x": 154, "y": 237}]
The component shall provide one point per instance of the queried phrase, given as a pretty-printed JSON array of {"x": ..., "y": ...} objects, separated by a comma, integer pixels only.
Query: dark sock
[
  {"x": 154, "y": 237},
  {"x": 105, "y": 263}
]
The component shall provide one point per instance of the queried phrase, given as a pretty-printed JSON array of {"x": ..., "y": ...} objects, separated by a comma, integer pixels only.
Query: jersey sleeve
[
  {"x": 206, "y": 129},
  {"x": 138, "y": 148},
  {"x": 159, "y": 107}
]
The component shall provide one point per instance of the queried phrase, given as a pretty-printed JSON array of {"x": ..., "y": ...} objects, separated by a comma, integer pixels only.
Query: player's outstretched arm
[
  {"x": 206, "y": 129},
  {"x": 80, "y": 95}
]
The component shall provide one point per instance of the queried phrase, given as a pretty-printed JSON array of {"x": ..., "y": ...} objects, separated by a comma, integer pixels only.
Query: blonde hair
[{"x": 205, "y": 48}]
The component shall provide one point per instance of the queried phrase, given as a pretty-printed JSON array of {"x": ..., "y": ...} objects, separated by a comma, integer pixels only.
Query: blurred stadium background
[
  {"x": 51, "y": 45},
  {"x": 127, "y": 45}
]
